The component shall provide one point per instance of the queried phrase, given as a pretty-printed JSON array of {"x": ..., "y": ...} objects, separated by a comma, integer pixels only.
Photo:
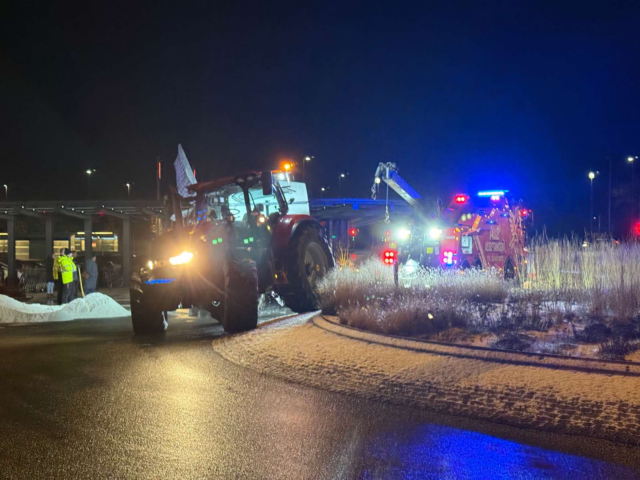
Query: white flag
[{"x": 184, "y": 173}]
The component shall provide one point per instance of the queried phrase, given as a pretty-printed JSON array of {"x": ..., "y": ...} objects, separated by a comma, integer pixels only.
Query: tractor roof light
[{"x": 287, "y": 166}]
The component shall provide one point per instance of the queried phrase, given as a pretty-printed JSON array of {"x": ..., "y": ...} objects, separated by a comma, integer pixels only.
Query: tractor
[{"x": 234, "y": 239}]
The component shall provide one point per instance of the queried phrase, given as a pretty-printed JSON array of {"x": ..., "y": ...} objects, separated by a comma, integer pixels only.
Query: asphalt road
[{"x": 86, "y": 399}]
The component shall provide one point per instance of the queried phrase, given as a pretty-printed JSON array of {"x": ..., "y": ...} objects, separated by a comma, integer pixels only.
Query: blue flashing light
[
  {"x": 155, "y": 281},
  {"x": 492, "y": 193},
  {"x": 504, "y": 215}
]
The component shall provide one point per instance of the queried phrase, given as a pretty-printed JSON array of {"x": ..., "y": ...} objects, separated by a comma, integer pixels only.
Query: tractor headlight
[
  {"x": 150, "y": 265},
  {"x": 404, "y": 234},
  {"x": 184, "y": 257},
  {"x": 435, "y": 233}
]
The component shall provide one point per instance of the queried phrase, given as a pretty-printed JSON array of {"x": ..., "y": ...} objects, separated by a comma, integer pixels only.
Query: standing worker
[
  {"x": 58, "y": 276},
  {"x": 49, "y": 266},
  {"x": 67, "y": 268},
  {"x": 77, "y": 278},
  {"x": 90, "y": 275}
]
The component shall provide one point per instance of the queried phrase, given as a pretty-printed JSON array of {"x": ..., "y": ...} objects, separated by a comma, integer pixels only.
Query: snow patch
[{"x": 94, "y": 305}]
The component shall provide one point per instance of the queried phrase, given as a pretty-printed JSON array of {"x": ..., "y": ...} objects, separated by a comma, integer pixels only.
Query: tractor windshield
[{"x": 228, "y": 201}]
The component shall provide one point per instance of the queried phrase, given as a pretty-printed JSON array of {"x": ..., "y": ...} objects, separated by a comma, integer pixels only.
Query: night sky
[{"x": 461, "y": 95}]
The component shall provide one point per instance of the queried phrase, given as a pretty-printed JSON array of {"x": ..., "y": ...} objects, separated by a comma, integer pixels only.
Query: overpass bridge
[{"x": 336, "y": 214}]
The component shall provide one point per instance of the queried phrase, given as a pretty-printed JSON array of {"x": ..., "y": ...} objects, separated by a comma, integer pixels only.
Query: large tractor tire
[
  {"x": 309, "y": 260},
  {"x": 240, "y": 304},
  {"x": 146, "y": 318}
]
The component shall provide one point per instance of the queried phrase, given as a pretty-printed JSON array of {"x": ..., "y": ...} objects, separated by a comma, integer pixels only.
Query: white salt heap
[{"x": 94, "y": 305}]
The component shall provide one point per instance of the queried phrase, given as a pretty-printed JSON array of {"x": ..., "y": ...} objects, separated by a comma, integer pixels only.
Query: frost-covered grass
[
  {"x": 605, "y": 277},
  {"x": 564, "y": 290}
]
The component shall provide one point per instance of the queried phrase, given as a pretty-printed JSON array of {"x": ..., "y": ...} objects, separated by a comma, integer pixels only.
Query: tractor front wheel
[
  {"x": 240, "y": 303},
  {"x": 146, "y": 317},
  {"x": 309, "y": 260}
]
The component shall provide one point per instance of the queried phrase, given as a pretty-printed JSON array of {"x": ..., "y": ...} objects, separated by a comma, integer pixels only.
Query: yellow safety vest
[
  {"x": 66, "y": 268},
  {"x": 56, "y": 268}
]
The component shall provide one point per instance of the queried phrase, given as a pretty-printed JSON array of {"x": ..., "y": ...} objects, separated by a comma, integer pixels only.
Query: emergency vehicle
[{"x": 486, "y": 230}]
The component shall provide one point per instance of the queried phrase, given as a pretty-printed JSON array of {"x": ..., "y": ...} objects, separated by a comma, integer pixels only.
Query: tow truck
[
  {"x": 234, "y": 238},
  {"x": 482, "y": 231}
]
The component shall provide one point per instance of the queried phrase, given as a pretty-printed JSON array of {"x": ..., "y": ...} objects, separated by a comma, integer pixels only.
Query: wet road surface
[{"x": 86, "y": 399}]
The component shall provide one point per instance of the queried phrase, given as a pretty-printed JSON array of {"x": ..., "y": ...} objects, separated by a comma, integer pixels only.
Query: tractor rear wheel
[
  {"x": 147, "y": 319},
  {"x": 309, "y": 260},
  {"x": 240, "y": 303}
]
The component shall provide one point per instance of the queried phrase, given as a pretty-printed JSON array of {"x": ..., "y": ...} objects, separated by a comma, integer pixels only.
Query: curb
[
  {"x": 568, "y": 396},
  {"x": 559, "y": 362}
]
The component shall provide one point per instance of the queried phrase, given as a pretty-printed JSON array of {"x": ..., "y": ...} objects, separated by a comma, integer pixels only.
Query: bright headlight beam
[
  {"x": 435, "y": 233},
  {"x": 404, "y": 234},
  {"x": 184, "y": 257}
]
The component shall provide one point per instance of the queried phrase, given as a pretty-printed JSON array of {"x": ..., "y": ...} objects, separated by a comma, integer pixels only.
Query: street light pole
[
  {"x": 591, "y": 177},
  {"x": 128, "y": 191},
  {"x": 304, "y": 170},
  {"x": 6, "y": 191},
  {"x": 342, "y": 175},
  {"x": 633, "y": 186},
  {"x": 609, "y": 205},
  {"x": 89, "y": 172}
]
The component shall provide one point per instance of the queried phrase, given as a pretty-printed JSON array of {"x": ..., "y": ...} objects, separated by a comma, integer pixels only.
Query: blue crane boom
[{"x": 388, "y": 173}]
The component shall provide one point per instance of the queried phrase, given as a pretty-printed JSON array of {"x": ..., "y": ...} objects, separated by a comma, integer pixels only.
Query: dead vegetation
[{"x": 569, "y": 300}]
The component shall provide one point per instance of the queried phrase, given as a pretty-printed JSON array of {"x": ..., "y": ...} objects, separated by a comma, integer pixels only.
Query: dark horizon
[{"x": 462, "y": 96}]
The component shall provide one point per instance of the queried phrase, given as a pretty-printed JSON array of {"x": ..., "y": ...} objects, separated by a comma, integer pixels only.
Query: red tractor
[{"x": 240, "y": 237}]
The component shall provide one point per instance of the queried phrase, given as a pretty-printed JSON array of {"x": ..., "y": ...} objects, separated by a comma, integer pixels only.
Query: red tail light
[
  {"x": 389, "y": 257},
  {"x": 460, "y": 199}
]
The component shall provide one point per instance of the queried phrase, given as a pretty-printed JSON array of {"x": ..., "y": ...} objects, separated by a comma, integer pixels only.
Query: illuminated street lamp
[
  {"x": 128, "y": 185},
  {"x": 6, "y": 191},
  {"x": 322, "y": 190}
]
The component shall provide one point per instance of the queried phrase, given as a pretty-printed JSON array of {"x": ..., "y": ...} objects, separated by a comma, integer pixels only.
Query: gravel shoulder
[{"x": 306, "y": 350}]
